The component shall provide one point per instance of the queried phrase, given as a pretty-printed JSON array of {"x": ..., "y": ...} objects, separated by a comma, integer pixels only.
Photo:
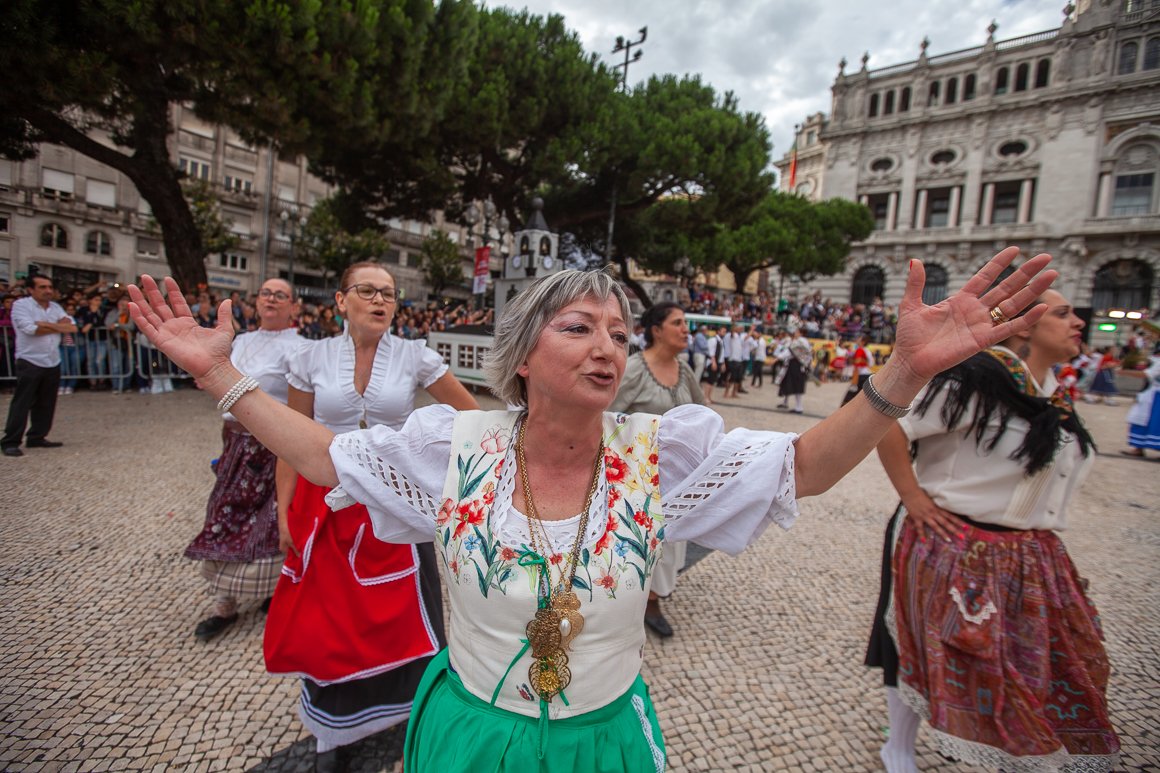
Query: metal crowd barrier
[{"x": 119, "y": 360}]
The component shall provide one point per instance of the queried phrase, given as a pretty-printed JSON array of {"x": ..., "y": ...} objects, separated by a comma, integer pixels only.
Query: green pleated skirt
[{"x": 451, "y": 730}]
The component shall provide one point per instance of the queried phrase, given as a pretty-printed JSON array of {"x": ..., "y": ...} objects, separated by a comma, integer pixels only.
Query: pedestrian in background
[
  {"x": 39, "y": 322},
  {"x": 1144, "y": 415}
]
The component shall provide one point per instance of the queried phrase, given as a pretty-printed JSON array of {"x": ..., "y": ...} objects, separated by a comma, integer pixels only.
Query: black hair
[{"x": 655, "y": 316}]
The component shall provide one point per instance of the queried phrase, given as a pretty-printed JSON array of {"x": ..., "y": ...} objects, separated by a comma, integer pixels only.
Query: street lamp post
[
  {"x": 291, "y": 230},
  {"x": 626, "y": 46},
  {"x": 475, "y": 216}
]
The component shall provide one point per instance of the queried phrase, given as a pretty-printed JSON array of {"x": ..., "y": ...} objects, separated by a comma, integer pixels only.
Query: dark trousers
[{"x": 36, "y": 397}]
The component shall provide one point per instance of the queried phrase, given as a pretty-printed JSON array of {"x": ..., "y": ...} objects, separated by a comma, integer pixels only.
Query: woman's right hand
[
  {"x": 167, "y": 321},
  {"x": 925, "y": 512}
]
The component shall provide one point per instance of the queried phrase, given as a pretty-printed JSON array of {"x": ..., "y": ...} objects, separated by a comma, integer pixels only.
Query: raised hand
[
  {"x": 167, "y": 321},
  {"x": 931, "y": 339}
]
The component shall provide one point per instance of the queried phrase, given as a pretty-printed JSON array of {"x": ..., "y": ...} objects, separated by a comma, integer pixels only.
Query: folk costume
[
  {"x": 997, "y": 645},
  {"x": 356, "y": 617},
  {"x": 641, "y": 392},
  {"x": 791, "y": 379},
  {"x": 1144, "y": 415},
  {"x": 542, "y": 671},
  {"x": 238, "y": 545}
]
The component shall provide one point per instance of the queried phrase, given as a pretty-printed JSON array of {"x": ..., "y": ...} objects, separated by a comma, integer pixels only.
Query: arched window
[
  {"x": 1001, "y": 79},
  {"x": 873, "y": 105},
  {"x": 932, "y": 96},
  {"x": 1152, "y": 54},
  {"x": 869, "y": 283},
  {"x": 904, "y": 100},
  {"x": 888, "y": 105},
  {"x": 1128, "y": 53},
  {"x": 54, "y": 235},
  {"x": 1022, "y": 75},
  {"x": 969, "y": 88},
  {"x": 952, "y": 91},
  {"x": 937, "y": 281},
  {"x": 98, "y": 243},
  {"x": 1122, "y": 284},
  {"x": 1042, "y": 72}
]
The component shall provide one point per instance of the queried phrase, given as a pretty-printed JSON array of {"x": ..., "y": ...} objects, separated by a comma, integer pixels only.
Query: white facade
[
  {"x": 80, "y": 221},
  {"x": 1049, "y": 141}
]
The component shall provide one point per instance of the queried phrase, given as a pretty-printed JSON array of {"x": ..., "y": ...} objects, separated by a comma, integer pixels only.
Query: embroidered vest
[{"x": 493, "y": 597}]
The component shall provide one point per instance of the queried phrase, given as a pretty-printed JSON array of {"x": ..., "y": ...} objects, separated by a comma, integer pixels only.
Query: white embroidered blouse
[
  {"x": 718, "y": 489},
  {"x": 326, "y": 368},
  {"x": 265, "y": 355}
]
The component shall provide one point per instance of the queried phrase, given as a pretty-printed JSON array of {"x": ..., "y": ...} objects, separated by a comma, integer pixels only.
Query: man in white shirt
[
  {"x": 735, "y": 356},
  {"x": 39, "y": 323}
]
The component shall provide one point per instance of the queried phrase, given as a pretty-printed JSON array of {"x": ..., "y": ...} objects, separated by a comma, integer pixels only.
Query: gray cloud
[{"x": 780, "y": 56}]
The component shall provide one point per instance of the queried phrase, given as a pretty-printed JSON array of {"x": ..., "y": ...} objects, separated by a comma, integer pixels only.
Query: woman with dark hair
[
  {"x": 656, "y": 380},
  {"x": 358, "y": 618},
  {"x": 549, "y": 518},
  {"x": 984, "y": 627}
]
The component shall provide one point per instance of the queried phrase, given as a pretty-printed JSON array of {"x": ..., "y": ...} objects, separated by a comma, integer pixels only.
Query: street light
[
  {"x": 474, "y": 216},
  {"x": 291, "y": 230}
]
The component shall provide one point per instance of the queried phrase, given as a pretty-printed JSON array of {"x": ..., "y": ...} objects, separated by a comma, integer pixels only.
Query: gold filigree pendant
[
  {"x": 550, "y": 675},
  {"x": 566, "y": 604}
]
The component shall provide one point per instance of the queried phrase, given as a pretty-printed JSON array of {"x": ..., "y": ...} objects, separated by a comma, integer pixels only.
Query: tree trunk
[
  {"x": 155, "y": 176},
  {"x": 632, "y": 283},
  {"x": 740, "y": 277}
]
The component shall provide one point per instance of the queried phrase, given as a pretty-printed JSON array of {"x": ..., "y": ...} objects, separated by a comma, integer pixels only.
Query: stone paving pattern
[{"x": 99, "y": 669}]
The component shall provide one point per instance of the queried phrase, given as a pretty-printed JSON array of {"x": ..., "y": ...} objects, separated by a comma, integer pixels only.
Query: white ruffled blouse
[{"x": 718, "y": 489}]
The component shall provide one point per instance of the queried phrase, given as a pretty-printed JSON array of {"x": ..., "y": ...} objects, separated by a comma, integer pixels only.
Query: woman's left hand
[{"x": 931, "y": 339}]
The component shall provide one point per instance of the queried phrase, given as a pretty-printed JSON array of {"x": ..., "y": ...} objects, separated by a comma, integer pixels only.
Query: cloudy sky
[{"x": 780, "y": 56}]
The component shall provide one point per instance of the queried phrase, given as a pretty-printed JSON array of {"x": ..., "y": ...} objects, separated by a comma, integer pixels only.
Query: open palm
[
  {"x": 167, "y": 321},
  {"x": 931, "y": 339}
]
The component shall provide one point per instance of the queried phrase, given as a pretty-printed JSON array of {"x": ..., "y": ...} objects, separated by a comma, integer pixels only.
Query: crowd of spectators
[
  {"x": 811, "y": 316},
  {"x": 107, "y": 353}
]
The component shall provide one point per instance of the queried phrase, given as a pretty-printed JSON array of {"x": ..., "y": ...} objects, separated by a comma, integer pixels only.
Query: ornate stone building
[
  {"x": 81, "y": 222},
  {"x": 1048, "y": 141}
]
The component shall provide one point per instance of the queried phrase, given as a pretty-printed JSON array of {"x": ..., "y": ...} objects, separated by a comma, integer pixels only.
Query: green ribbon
[{"x": 527, "y": 559}]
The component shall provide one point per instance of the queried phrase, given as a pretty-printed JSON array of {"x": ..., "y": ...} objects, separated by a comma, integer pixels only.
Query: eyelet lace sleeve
[
  {"x": 722, "y": 490},
  {"x": 397, "y": 475}
]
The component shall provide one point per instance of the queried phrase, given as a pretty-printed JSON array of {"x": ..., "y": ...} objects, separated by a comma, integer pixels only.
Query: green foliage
[
  {"x": 791, "y": 233},
  {"x": 302, "y": 73},
  {"x": 327, "y": 244},
  {"x": 442, "y": 263},
  {"x": 214, "y": 229}
]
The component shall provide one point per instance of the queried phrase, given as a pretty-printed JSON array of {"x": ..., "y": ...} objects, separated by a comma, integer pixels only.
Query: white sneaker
[
  {"x": 60, "y": 391},
  {"x": 68, "y": 390},
  {"x": 1111, "y": 401}
]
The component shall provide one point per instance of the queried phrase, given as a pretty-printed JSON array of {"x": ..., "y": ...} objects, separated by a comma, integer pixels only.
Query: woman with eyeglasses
[
  {"x": 358, "y": 618},
  {"x": 238, "y": 546}
]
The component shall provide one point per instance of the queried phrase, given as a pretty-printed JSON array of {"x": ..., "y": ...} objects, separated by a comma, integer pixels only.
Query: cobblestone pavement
[{"x": 99, "y": 669}]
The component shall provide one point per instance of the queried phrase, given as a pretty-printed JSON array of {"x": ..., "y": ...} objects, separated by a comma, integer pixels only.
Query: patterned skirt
[
  {"x": 241, "y": 517},
  {"x": 1001, "y": 651}
]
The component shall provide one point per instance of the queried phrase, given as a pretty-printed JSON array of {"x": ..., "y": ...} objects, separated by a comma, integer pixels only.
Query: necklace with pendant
[{"x": 558, "y": 620}]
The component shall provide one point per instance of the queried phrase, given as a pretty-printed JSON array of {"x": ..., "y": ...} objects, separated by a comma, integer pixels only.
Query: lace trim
[
  {"x": 974, "y": 753},
  {"x": 382, "y": 578},
  {"x": 511, "y": 527},
  {"x": 728, "y": 467},
  {"x": 979, "y": 617},
  {"x": 412, "y": 494},
  {"x": 658, "y": 756}
]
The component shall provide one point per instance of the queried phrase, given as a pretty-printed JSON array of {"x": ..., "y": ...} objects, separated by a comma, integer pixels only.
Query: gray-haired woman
[{"x": 548, "y": 520}]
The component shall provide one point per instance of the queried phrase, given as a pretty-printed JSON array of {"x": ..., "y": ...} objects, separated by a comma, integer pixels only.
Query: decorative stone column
[{"x": 988, "y": 204}]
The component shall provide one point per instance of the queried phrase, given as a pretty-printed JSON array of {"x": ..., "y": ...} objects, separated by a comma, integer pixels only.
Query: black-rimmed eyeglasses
[
  {"x": 368, "y": 292},
  {"x": 277, "y": 295}
]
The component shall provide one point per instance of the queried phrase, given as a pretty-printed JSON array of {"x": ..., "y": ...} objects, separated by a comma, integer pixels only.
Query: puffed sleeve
[
  {"x": 429, "y": 366},
  {"x": 397, "y": 475},
  {"x": 300, "y": 367},
  {"x": 719, "y": 489}
]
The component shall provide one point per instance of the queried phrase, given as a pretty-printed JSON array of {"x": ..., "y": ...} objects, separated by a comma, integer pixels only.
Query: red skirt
[
  {"x": 1001, "y": 650},
  {"x": 347, "y": 605}
]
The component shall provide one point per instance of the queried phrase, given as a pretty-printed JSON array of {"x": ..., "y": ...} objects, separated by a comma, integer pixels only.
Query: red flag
[
  {"x": 793, "y": 167},
  {"x": 482, "y": 259}
]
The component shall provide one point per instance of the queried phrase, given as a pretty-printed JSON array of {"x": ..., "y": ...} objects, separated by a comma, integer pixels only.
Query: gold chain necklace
[{"x": 558, "y": 620}]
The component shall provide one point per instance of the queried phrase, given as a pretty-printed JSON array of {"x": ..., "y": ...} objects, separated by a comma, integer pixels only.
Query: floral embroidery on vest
[{"x": 628, "y": 548}]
